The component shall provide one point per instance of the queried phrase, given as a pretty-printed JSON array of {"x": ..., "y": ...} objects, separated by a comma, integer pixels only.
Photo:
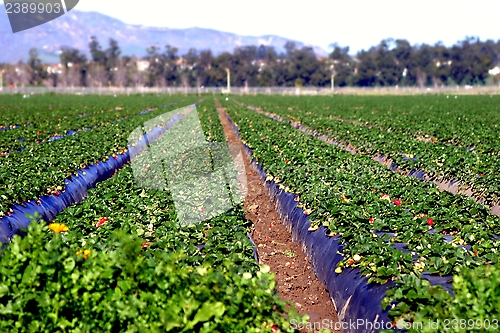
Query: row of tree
[{"x": 390, "y": 63}]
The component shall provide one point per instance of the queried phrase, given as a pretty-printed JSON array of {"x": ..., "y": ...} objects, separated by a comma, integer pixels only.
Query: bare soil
[{"x": 296, "y": 282}]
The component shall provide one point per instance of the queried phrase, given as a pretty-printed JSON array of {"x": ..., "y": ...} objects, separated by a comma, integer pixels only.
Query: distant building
[
  {"x": 54, "y": 69},
  {"x": 142, "y": 65}
]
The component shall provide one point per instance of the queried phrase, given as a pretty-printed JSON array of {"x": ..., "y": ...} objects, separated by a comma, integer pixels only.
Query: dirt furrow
[{"x": 296, "y": 281}]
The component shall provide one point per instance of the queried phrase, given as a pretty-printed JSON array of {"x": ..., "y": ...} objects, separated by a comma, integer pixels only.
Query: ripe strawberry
[
  {"x": 274, "y": 328},
  {"x": 475, "y": 253},
  {"x": 397, "y": 202},
  {"x": 430, "y": 221},
  {"x": 371, "y": 220},
  {"x": 146, "y": 245},
  {"x": 350, "y": 262},
  {"x": 102, "y": 222},
  {"x": 296, "y": 199},
  {"x": 57, "y": 193}
]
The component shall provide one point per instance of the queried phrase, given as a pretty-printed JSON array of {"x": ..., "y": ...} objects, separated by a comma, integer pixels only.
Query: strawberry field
[
  {"x": 355, "y": 179},
  {"x": 107, "y": 254},
  {"x": 434, "y": 252}
]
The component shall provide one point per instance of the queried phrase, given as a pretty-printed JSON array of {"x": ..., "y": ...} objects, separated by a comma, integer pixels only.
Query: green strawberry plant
[{"x": 357, "y": 198}]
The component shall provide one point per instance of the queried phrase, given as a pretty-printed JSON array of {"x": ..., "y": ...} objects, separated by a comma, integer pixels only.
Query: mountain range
[{"x": 75, "y": 28}]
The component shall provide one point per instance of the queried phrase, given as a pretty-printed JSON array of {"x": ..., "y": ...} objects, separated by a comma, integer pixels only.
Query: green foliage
[
  {"x": 425, "y": 308},
  {"x": 122, "y": 263},
  {"x": 44, "y": 163},
  {"x": 355, "y": 197},
  {"x": 45, "y": 286}
]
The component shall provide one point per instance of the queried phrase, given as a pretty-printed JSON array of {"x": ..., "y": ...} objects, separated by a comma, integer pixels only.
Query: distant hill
[{"x": 75, "y": 28}]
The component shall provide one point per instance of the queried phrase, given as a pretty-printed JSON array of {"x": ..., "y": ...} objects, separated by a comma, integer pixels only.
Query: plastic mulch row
[
  {"x": 76, "y": 187},
  {"x": 354, "y": 299}
]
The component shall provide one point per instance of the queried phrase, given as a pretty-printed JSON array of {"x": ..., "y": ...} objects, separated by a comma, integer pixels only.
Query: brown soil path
[{"x": 296, "y": 282}]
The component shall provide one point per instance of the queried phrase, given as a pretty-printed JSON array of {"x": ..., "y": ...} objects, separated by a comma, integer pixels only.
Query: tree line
[{"x": 390, "y": 63}]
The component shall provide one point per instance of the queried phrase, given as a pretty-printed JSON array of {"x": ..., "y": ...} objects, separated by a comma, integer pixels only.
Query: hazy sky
[{"x": 358, "y": 24}]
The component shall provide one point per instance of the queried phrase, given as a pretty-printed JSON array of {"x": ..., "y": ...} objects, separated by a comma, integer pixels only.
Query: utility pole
[
  {"x": 228, "y": 80},
  {"x": 332, "y": 67}
]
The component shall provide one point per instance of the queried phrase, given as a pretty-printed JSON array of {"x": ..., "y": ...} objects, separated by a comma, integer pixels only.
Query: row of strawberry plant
[
  {"x": 96, "y": 272},
  {"x": 441, "y": 161},
  {"x": 40, "y": 110},
  {"x": 355, "y": 197},
  {"x": 348, "y": 192},
  {"x": 361, "y": 304},
  {"x": 98, "y": 111},
  {"x": 468, "y": 121},
  {"x": 41, "y": 169},
  {"x": 77, "y": 185}
]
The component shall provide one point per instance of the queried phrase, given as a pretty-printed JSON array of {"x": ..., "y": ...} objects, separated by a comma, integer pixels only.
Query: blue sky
[{"x": 358, "y": 24}]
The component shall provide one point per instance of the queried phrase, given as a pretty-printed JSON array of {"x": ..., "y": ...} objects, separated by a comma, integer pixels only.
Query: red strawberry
[
  {"x": 475, "y": 253},
  {"x": 371, "y": 220},
  {"x": 102, "y": 222},
  {"x": 146, "y": 245},
  {"x": 57, "y": 193},
  {"x": 397, "y": 202},
  {"x": 39, "y": 133},
  {"x": 274, "y": 328},
  {"x": 296, "y": 199},
  {"x": 430, "y": 221}
]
